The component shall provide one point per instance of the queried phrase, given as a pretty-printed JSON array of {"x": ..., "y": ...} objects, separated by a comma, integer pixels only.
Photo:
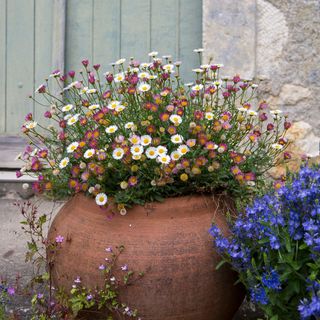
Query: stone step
[{"x": 12, "y": 187}]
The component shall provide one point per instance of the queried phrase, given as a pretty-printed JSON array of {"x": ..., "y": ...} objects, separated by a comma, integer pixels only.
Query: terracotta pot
[{"x": 169, "y": 241}]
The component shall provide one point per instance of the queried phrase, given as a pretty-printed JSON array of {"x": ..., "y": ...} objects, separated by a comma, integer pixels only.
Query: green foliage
[{"x": 111, "y": 130}]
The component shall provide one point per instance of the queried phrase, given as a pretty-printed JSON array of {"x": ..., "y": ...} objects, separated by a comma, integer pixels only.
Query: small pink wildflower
[{"x": 59, "y": 239}]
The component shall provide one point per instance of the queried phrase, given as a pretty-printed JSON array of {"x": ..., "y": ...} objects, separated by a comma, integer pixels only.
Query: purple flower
[
  {"x": 71, "y": 73},
  {"x": 18, "y": 174},
  {"x": 89, "y": 297},
  {"x": 124, "y": 267},
  {"x": 11, "y": 291},
  {"x": 85, "y": 62},
  {"x": 48, "y": 114},
  {"x": 259, "y": 295},
  {"x": 271, "y": 280},
  {"x": 59, "y": 239},
  {"x": 77, "y": 280},
  {"x": 283, "y": 223},
  {"x": 39, "y": 295},
  {"x": 102, "y": 267},
  {"x": 109, "y": 249}
]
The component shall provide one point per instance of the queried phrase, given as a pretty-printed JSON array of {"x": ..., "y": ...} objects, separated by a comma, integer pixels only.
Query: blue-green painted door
[{"x": 100, "y": 30}]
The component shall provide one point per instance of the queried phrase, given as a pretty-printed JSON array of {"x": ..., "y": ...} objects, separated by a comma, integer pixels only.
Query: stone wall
[{"x": 278, "y": 42}]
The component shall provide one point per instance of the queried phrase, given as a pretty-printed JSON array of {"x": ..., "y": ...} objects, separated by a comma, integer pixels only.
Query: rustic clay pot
[{"x": 169, "y": 241}]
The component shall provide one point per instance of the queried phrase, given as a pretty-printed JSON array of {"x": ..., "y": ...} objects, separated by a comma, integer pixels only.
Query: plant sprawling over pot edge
[{"x": 137, "y": 133}]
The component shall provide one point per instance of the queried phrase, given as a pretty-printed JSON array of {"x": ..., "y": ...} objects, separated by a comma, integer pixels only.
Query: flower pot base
[{"x": 167, "y": 241}]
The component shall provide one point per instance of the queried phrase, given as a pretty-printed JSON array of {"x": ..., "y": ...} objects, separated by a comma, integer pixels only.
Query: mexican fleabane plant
[
  {"x": 275, "y": 247},
  {"x": 137, "y": 133}
]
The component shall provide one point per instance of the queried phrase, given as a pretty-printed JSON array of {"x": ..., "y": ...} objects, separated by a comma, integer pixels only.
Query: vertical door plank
[
  {"x": 164, "y": 35},
  {"x": 3, "y": 26},
  {"x": 20, "y": 62},
  {"x": 79, "y": 22},
  {"x": 43, "y": 49},
  {"x": 135, "y": 29},
  {"x": 106, "y": 32},
  {"x": 190, "y": 35}
]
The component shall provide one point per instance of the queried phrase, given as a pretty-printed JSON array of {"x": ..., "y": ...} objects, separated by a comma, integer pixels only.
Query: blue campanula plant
[{"x": 275, "y": 248}]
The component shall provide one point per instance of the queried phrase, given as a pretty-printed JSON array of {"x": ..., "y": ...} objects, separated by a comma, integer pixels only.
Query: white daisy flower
[
  {"x": 209, "y": 115},
  {"x": 277, "y": 146},
  {"x": 183, "y": 149},
  {"x": 205, "y": 66},
  {"x": 254, "y": 86},
  {"x": 242, "y": 109},
  {"x": 136, "y": 156},
  {"x": 120, "y": 108},
  {"x": 119, "y": 77},
  {"x": 136, "y": 149},
  {"x": 68, "y": 87},
  {"x": 101, "y": 199},
  {"x": 134, "y": 139},
  {"x": 64, "y": 162},
  {"x": 94, "y": 106},
  {"x": 129, "y": 125},
  {"x": 175, "y": 119},
  {"x": 89, "y": 153},
  {"x": 91, "y": 91},
  {"x": 111, "y": 129},
  {"x": 276, "y": 112},
  {"x": 113, "y": 104},
  {"x": 175, "y": 155},
  {"x": 217, "y": 83},
  {"x": 34, "y": 152},
  {"x": 151, "y": 153},
  {"x": 144, "y": 75},
  {"x": 164, "y": 159},
  {"x": 197, "y": 87},
  {"x": 134, "y": 70},
  {"x": 144, "y": 87},
  {"x": 198, "y": 70},
  {"x": 153, "y": 54},
  {"x": 161, "y": 150},
  {"x": 167, "y": 56},
  {"x": 177, "y": 138},
  {"x": 118, "y": 153},
  {"x": 189, "y": 84},
  {"x": 198, "y": 50},
  {"x": 84, "y": 90},
  {"x": 252, "y": 113},
  {"x": 73, "y": 119},
  {"x": 31, "y": 124},
  {"x": 120, "y": 61},
  {"x": 146, "y": 140},
  {"x": 67, "y": 107},
  {"x": 73, "y": 84},
  {"x": 169, "y": 68},
  {"x": 153, "y": 77},
  {"x": 72, "y": 147},
  {"x": 55, "y": 74},
  {"x": 145, "y": 65},
  {"x": 41, "y": 87}
]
